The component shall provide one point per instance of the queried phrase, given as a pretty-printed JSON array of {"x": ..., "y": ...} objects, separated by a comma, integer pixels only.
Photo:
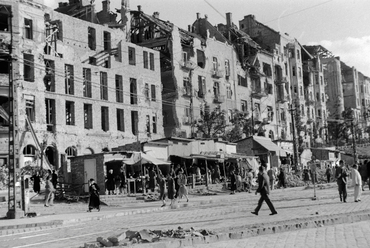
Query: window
[
  {"x": 302, "y": 109},
  {"x": 227, "y": 68},
  {"x": 134, "y": 122},
  {"x": 282, "y": 115},
  {"x": 119, "y": 88},
  {"x": 146, "y": 92},
  {"x": 133, "y": 91},
  {"x": 120, "y": 120},
  {"x": 28, "y": 68},
  {"x": 91, "y": 36},
  {"x": 244, "y": 106},
  {"x": 28, "y": 29},
  {"x": 146, "y": 61},
  {"x": 50, "y": 114},
  {"x": 317, "y": 78},
  {"x": 286, "y": 69},
  {"x": 301, "y": 90},
  {"x": 319, "y": 113},
  {"x": 201, "y": 59},
  {"x": 147, "y": 124},
  {"x": 88, "y": 116},
  {"x": 184, "y": 57},
  {"x": 216, "y": 88},
  {"x": 57, "y": 28},
  {"x": 270, "y": 114},
  {"x": 317, "y": 96},
  {"x": 293, "y": 70},
  {"x": 118, "y": 53},
  {"x": 107, "y": 41},
  {"x": 322, "y": 97},
  {"x": 267, "y": 69},
  {"x": 87, "y": 82},
  {"x": 103, "y": 86},
  {"x": 298, "y": 55},
  {"x": 362, "y": 89},
  {"x": 321, "y": 81},
  {"x": 151, "y": 56},
  {"x": 30, "y": 107},
  {"x": 92, "y": 60},
  {"x": 242, "y": 81},
  {"x": 69, "y": 79},
  {"x": 154, "y": 123},
  {"x": 29, "y": 151},
  {"x": 49, "y": 79},
  {"x": 363, "y": 102},
  {"x": 70, "y": 113},
  {"x": 271, "y": 135},
  {"x": 106, "y": 62},
  {"x": 152, "y": 90},
  {"x": 4, "y": 21},
  {"x": 300, "y": 72},
  {"x": 71, "y": 151},
  {"x": 214, "y": 64},
  {"x": 257, "y": 110},
  {"x": 131, "y": 56},
  {"x": 295, "y": 89},
  {"x": 201, "y": 86},
  {"x": 105, "y": 119},
  {"x": 229, "y": 92}
]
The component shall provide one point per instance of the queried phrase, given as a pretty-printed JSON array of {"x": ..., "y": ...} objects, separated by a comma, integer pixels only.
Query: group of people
[
  {"x": 51, "y": 180},
  {"x": 116, "y": 184}
]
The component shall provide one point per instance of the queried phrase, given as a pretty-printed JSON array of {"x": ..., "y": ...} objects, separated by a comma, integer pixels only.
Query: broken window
[
  {"x": 106, "y": 62},
  {"x": 131, "y": 56},
  {"x": 69, "y": 80},
  {"x": 134, "y": 122},
  {"x": 184, "y": 57},
  {"x": 118, "y": 53},
  {"x": 302, "y": 109},
  {"x": 70, "y": 113},
  {"x": 146, "y": 92},
  {"x": 214, "y": 64},
  {"x": 201, "y": 86},
  {"x": 216, "y": 89},
  {"x": 91, "y": 38},
  {"x": 298, "y": 55},
  {"x": 133, "y": 91},
  {"x": 120, "y": 120},
  {"x": 50, "y": 114},
  {"x": 30, "y": 107},
  {"x": 103, "y": 86},
  {"x": 49, "y": 79},
  {"x": 300, "y": 72},
  {"x": 146, "y": 59},
  {"x": 92, "y": 60},
  {"x": 242, "y": 81},
  {"x": 119, "y": 88},
  {"x": 293, "y": 70},
  {"x": 267, "y": 69},
  {"x": 88, "y": 116},
  {"x": 28, "y": 29},
  {"x": 148, "y": 124},
  {"x": 28, "y": 67},
  {"x": 227, "y": 68},
  {"x": 154, "y": 123},
  {"x": 107, "y": 41},
  {"x": 151, "y": 57},
  {"x": 201, "y": 59},
  {"x": 4, "y": 18},
  {"x": 229, "y": 92},
  {"x": 4, "y": 65},
  {"x": 244, "y": 106},
  {"x": 270, "y": 114},
  {"x": 87, "y": 82},
  {"x": 105, "y": 119},
  {"x": 153, "y": 92}
]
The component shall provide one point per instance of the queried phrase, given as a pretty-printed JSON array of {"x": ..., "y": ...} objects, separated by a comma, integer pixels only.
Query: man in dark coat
[
  {"x": 264, "y": 190},
  {"x": 342, "y": 174},
  {"x": 110, "y": 182}
]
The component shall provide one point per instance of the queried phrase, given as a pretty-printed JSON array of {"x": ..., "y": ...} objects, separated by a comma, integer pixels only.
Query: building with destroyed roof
[{"x": 79, "y": 90}]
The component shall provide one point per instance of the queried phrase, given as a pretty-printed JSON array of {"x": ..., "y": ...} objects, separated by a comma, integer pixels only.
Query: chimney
[
  {"x": 206, "y": 17},
  {"x": 156, "y": 15},
  {"x": 189, "y": 28},
  {"x": 229, "y": 19},
  {"x": 139, "y": 8},
  {"x": 198, "y": 16},
  {"x": 106, "y": 7}
]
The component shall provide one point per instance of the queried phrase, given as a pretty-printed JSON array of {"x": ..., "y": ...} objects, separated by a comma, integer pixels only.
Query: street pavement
[{"x": 225, "y": 214}]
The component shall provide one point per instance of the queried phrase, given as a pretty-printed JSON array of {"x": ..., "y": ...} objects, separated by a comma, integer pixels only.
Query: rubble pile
[
  {"x": 294, "y": 180},
  {"x": 129, "y": 237}
]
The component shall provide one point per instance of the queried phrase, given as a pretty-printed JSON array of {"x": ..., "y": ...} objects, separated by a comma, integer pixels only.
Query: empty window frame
[
  {"x": 154, "y": 123},
  {"x": 28, "y": 67},
  {"x": 107, "y": 41},
  {"x": 69, "y": 79},
  {"x": 4, "y": 18},
  {"x": 70, "y": 113},
  {"x": 28, "y": 29},
  {"x": 49, "y": 79},
  {"x": 244, "y": 106},
  {"x": 119, "y": 88},
  {"x": 103, "y": 86},
  {"x": 151, "y": 59},
  {"x": 91, "y": 38},
  {"x": 134, "y": 122},
  {"x": 201, "y": 86},
  {"x": 131, "y": 56},
  {"x": 270, "y": 114},
  {"x": 214, "y": 64},
  {"x": 153, "y": 92},
  {"x": 242, "y": 81},
  {"x": 92, "y": 60},
  {"x": 118, "y": 52},
  {"x": 146, "y": 59},
  {"x": 201, "y": 59},
  {"x": 147, "y": 124},
  {"x": 267, "y": 69},
  {"x": 105, "y": 119},
  {"x": 30, "y": 107},
  {"x": 227, "y": 68},
  {"x": 50, "y": 114},
  {"x": 133, "y": 91},
  {"x": 146, "y": 92},
  {"x": 120, "y": 120},
  {"x": 87, "y": 91},
  {"x": 88, "y": 116}
]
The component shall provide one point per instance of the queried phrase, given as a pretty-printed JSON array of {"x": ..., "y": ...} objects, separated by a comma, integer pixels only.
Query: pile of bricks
[{"x": 129, "y": 238}]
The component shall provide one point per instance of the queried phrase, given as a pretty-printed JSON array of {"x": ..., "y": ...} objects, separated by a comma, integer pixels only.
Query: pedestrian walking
[
  {"x": 162, "y": 188},
  {"x": 49, "y": 192},
  {"x": 54, "y": 179},
  {"x": 272, "y": 177},
  {"x": 183, "y": 191},
  {"x": 232, "y": 182},
  {"x": 364, "y": 174},
  {"x": 177, "y": 186},
  {"x": 152, "y": 179},
  {"x": 342, "y": 176},
  {"x": 94, "y": 200},
  {"x": 328, "y": 173},
  {"x": 264, "y": 190},
  {"x": 123, "y": 185},
  {"x": 110, "y": 182},
  {"x": 36, "y": 182},
  {"x": 357, "y": 183},
  {"x": 281, "y": 177},
  {"x": 171, "y": 188},
  {"x": 306, "y": 176}
]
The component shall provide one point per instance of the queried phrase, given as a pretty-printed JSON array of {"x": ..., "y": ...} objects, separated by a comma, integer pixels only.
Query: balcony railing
[
  {"x": 188, "y": 65},
  {"x": 186, "y": 120},
  {"x": 282, "y": 80},
  {"x": 258, "y": 93},
  {"x": 218, "y": 98},
  {"x": 186, "y": 91},
  {"x": 217, "y": 73},
  {"x": 310, "y": 101}
]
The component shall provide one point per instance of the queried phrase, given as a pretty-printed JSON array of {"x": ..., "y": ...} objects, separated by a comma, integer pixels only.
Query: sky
[{"x": 341, "y": 26}]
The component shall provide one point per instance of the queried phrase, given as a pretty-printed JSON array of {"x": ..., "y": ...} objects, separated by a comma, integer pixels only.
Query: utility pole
[
  {"x": 354, "y": 141},
  {"x": 252, "y": 109},
  {"x": 295, "y": 152}
]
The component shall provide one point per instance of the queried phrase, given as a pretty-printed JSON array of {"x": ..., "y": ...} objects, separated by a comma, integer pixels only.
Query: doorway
[{"x": 89, "y": 172}]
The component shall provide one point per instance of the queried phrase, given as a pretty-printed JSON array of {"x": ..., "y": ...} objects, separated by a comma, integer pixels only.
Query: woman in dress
[
  {"x": 94, "y": 201},
  {"x": 162, "y": 188},
  {"x": 183, "y": 191},
  {"x": 36, "y": 182},
  {"x": 171, "y": 188}
]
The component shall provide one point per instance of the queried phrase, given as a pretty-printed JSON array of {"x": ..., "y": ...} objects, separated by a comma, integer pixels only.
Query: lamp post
[{"x": 295, "y": 152}]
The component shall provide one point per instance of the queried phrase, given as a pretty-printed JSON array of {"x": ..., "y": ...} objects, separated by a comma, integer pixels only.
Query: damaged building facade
[{"x": 80, "y": 90}]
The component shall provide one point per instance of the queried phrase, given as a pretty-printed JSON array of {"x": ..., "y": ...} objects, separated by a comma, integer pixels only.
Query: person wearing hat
[{"x": 94, "y": 200}]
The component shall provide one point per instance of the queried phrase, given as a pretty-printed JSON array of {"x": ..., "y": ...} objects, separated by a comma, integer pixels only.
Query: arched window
[
  {"x": 271, "y": 135},
  {"x": 71, "y": 151},
  {"x": 88, "y": 151},
  {"x": 29, "y": 151}
]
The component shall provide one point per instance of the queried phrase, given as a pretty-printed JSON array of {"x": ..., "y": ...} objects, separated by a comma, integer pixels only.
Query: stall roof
[{"x": 267, "y": 143}]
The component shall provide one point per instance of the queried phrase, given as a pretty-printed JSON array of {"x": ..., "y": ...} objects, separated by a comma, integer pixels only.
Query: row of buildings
[{"x": 84, "y": 82}]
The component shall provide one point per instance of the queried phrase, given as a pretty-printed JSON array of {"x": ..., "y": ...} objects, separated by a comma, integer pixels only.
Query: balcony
[
  {"x": 186, "y": 120},
  {"x": 217, "y": 73},
  {"x": 283, "y": 99},
  {"x": 186, "y": 91},
  {"x": 187, "y": 65},
  {"x": 218, "y": 98},
  {"x": 281, "y": 81},
  {"x": 310, "y": 120},
  {"x": 258, "y": 93},
  {"x": 310, "y": 101}
]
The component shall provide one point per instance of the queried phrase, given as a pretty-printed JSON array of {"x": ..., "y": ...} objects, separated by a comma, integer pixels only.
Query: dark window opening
[
  {"x": 30, "y": 107},
  {"x": 242, "y": 81},
  {"x": 92, "y": 61},
  {"x": 28, "y": 67},
  {"x": 87, "y": 92},
  {"x": 70, "y": 113},
  {"x": 131, "y": 56},
  {"x": 267, "y": 69},
  {"x": 134, "y": 122},
  {"x": 151, "y": 55},
  {"x": 92, "y": 38},
  {"x": 152, "y": 91},
  {"x": 201, "y": 86},
  {"x": 105, "y": 119},
  {"x": 133, "y": 91},
  {"x": 69, "y": 80},
  {"x": 28, "y": 29},
  {"x": 107, "y": 41},
  {"x": 154, "y": 123},
  {"x": 4, "y": 67},
  {"x": 88, "y": 116},
  {"x": 119, "y": 88},
  {"x": 146, "y": 59},
  {"x": 50, "y": 114},
  {"x": 4, "y": 18},
  {"x": 148, "y": 124},
  {"x": 103, "y": 86},
  {"x": 120, "y": 120},
  {"x": 49, "y": 79},
  {"x": 201, "y": 59}
]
